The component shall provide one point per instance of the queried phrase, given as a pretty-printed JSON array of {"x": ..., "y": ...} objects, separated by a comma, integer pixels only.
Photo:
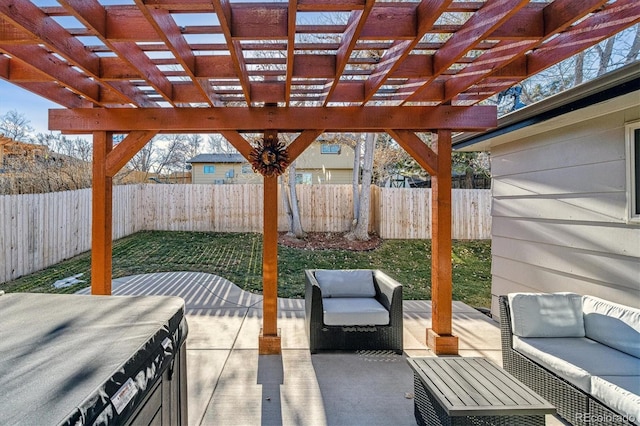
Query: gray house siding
[{"x": 560, "y": 209}]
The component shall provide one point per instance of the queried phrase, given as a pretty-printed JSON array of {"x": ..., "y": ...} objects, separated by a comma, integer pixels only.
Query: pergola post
[
  {"x": 101, "y": 226},
  {"x": 439, "y": 337},
  {"x": 269, "y": 340}
]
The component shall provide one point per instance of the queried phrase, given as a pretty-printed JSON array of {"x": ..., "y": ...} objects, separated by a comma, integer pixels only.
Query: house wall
[
  {"x": 221, "y": 169},
  {"x": 333, "y": 176},
  {"x": 559, "y": 220},
  {"x": 312, "y": 158},
  {"x": 326, "y": 168}
]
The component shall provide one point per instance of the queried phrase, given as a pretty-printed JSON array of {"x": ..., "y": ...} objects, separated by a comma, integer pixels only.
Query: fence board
[
  {"x": 39, "y": 230},
  {"x": 405, "y": 213}
]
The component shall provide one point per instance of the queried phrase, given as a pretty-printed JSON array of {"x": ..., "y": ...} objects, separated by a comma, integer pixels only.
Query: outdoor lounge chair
[{"x": 353, "y": 310}]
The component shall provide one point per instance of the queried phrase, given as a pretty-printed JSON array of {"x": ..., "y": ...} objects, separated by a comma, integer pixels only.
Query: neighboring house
[
  {"x": 325, "y": 162},
  {"x": 319, "y": 163},
  {"x": 221, "y": 169},
  {"x": 566, "y": 192}
]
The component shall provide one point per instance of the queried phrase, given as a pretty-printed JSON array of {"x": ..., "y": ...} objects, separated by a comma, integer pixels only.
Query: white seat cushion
[
  {"x": 346, "y": 282},
  {"x": 620, "y": 393},
  {"x": 354, "y": 311},
  {"x": 576, "y": 359}
]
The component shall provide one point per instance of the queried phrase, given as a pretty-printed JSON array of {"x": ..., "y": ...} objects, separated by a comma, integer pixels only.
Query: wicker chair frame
[
  {"x": 572, "y": 404},
  {"x": 349, "y": 338}
]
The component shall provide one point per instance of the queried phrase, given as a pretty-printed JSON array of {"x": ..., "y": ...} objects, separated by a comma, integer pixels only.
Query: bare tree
[
  {"x": 634, "y": 48},
  {"x": 610, "y": 54},
  {"x": 16, "y": 126},
  {"x": 172, "y": 156},
  {"x": 579, "y": 78},
  {"x": 391, "y": 160},
  {"x": 355, "y": 183},
  {"x": 77, "y": 147},
  {"x": 360, "y": 231},
  {"x": 605, "y": 50},
  {"x": 285, "y": 200},
  {"x": 290, "y": 200},
  {"x": 193, "y": 145},
  {"x": 142, "y": 161},
  {"x": 40, "y": 170},
  {"x": 216, "y": 144}
]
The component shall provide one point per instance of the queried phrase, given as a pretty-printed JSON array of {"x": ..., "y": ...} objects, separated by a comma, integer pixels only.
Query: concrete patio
[{"x": 230, "y": 384}]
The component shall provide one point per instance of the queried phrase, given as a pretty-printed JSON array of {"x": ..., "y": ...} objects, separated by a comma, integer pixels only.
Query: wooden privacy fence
[
  {"x": 406, "y": 213},
  {"x": 39, "y": 230}
]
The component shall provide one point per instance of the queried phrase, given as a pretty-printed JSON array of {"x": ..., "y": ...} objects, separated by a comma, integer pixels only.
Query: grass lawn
[{"x": 238, "y": 258}]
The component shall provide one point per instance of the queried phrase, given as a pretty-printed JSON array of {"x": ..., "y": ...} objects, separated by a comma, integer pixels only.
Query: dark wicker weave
[
  {"x": 380, "y": 337},
  {"x": 573, "y": 405},
  {"x": 427, "y": 411}
]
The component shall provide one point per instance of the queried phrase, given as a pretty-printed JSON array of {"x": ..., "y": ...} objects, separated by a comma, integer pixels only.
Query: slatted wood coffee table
[{"x": 472, "y": 391}]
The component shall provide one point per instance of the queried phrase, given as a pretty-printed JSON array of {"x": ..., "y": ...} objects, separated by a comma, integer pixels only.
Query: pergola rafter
[
  {"x": 170, "y": 34},
  {"x": 350, "y": 37},
  {"x": 426, "y": 14},
  {"x": 234, "y": 68},
  {"x": 223, "y": 10},
  {"x": 479, "y": 26},
  {"x": 144, "y": 46}
]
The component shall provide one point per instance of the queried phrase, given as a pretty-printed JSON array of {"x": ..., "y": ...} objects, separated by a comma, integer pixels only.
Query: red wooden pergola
[{"x": 221, "y": 66}]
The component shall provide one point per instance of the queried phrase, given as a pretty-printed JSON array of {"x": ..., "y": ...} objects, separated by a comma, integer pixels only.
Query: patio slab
[{"x": 230, "y": 383}]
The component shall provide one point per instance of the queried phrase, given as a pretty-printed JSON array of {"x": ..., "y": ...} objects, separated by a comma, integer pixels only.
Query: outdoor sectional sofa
[
  {"x": 581, "y": 353},
  {"x": 358, "y": 309}
]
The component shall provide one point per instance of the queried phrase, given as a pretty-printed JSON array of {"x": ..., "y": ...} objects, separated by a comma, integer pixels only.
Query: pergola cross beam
[{"x": 202, "y": 120}]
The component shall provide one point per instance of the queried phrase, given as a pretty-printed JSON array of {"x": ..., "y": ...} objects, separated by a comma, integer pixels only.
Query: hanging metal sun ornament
[{"x": 270, "y": 157}]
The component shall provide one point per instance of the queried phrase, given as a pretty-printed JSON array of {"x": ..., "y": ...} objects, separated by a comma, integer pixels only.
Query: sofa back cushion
[
  {"x": 346, "y": 282},
  {"x": 546, "y": 314},
  {"x": 612, "y": 324}
]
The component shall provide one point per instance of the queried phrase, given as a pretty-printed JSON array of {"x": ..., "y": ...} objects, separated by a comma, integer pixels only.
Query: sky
[{"x": 33, "y": 107}]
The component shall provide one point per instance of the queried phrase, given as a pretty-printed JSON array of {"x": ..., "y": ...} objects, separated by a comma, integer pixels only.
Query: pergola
[{"x": 143, "y": 67}]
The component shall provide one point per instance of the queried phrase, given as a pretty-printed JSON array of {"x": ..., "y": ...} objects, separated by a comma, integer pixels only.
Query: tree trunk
[
  {"x": 361, "y": 230},
  {"x": 468, "y": 179},
  {"x": 356, "y": 180},
  {"x": 579, "y": 78},
  {"x": 286, "y": 202},
  {"x": 296, "y": 224},
  {"x": 605, "y": 55},
  {"x": 635, "y": 47}
]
